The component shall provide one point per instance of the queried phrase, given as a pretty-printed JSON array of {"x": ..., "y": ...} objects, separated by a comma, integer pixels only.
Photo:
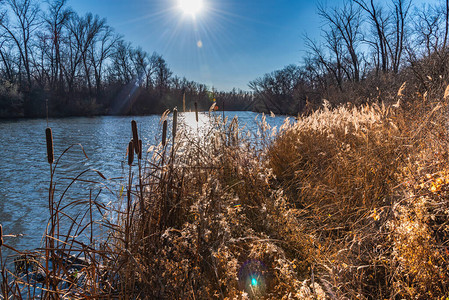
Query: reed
[{"x": 347, "y": 202}]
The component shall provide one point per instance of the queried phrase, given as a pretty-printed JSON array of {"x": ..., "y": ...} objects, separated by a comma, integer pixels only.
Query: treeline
[
  {"x": 368, "y": 50},
  {"x": 52, "y": 58}
]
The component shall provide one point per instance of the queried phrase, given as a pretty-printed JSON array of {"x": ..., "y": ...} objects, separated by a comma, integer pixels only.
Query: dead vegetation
[{"x": 350, "y": 202}]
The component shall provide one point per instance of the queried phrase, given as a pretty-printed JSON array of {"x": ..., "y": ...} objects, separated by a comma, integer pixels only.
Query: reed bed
[
  {"x": 348, "y": 202},
  {"x": 370, "y": 182}
]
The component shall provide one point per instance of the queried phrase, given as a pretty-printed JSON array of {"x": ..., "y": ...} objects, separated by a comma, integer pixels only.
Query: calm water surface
[{"x": 25, "y": 173}]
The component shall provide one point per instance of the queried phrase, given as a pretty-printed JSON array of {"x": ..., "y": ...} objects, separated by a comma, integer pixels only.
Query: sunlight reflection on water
[{"x": 25, "y": 174}]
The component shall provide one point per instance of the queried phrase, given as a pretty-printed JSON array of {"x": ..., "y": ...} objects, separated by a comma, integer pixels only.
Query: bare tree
[
  {"x": 427, "y": 30},
  {"x": 396, "y": 48},
  {"x": 55, "y": 21},
  {"x": 121, "y": 62},
  {"x": 83, "y": 31},
  {"x": 20, "y": 30},
  {"x": 379, "y": 21},
  {"x": 100, "y": 51},
  {"x": 344, "y": 26},
  {"x": 162, "y": 73}
]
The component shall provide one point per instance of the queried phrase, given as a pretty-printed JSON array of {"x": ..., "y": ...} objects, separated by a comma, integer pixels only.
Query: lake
[{"x": 25, "y": 172}]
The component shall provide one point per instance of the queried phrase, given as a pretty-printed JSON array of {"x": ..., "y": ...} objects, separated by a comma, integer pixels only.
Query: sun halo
[{"x": 191, "y": 7}]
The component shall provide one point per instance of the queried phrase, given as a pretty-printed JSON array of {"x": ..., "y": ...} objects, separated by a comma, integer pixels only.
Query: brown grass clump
[
  {"x": 340, "y": 163},
  {"x": 212, "y": 226},
  {"x": 370, "y": 183}
]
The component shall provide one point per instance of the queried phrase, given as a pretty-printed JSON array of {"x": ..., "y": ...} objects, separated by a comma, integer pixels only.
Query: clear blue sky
[{"x": 241, "y": 39}]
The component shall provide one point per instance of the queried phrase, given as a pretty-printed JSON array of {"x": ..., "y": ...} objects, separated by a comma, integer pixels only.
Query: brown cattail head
[
  {"x": 135, "y": 136},
  {"x": 175, "y": 122},
  {"x": 196, "y": 111},
  {"x": 49, "y": 138},
  {"x": 130, "y": 152},
  {"x": 1, "y": 235},
  {"x": 139, "y": 154},
  {"x": 164, "y": 133}
]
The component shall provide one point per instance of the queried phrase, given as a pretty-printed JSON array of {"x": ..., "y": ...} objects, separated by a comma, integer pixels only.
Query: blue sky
[{"x": 241, "y": 39}]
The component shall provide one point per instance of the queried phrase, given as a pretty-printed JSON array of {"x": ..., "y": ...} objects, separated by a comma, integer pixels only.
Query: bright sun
[{"x": 191, "y": 7}]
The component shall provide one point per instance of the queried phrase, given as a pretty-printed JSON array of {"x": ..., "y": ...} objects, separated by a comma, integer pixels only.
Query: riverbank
[{"x": 347, "y": 202}]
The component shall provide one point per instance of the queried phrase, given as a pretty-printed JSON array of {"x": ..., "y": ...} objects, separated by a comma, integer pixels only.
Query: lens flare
[
  {"x": 253, "y": 277},
  {"x": 254, "y": 282}
]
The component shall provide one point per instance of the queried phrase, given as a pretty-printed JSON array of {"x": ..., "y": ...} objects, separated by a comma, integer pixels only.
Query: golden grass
[
  {"x": 353, "y": 172},
  {"x": 345, "y": 203}
]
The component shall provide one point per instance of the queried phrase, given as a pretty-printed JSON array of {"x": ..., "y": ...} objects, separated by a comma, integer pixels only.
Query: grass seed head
[
  {"x": 446, "y": 92},
  {"x": 49, "y": 138},
  {"x": 402, "y": 89}
]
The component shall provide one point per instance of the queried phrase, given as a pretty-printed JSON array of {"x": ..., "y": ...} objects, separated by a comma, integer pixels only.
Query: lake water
[{"x": 25, "y": 172}]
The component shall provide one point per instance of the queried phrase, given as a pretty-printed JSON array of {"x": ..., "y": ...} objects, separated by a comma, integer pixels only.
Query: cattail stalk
[
  {"x": 164, "y": 133},
  {"x": 135, "y": 136},
  {"x": 175, "y": 123},
  {"x": 196, "y": 111},
  {"x": 139, "y": 154},
  {"x": 130, "y": 153},
  {"x": 49, "y": 138},
  {"x": 1, "y": 235}
]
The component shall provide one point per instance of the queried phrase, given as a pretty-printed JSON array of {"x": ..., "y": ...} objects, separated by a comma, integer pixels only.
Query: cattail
[
  {"x": 196, "y": 111},
  {"x": 175, "y": 122},
  {"x": 49, "y": 138},
  {"x": 130, "y": 153},
  {"x": 1, "y": 235},
  {"x": 135, "y": 136},
  {"x": 164, "y": 133},
  {"x": 140, "y": 150}
]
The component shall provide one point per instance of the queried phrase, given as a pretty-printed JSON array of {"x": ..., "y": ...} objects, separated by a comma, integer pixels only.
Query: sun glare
[{"x": 191, "y": 7}]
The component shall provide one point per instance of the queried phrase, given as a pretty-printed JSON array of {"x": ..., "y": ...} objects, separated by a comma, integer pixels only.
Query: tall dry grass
[
  {"x": 370, "y": 184},
  {"x": 350, "y": 202}
]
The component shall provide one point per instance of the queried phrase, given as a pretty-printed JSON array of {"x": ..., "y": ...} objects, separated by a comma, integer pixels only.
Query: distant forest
[
  {"x": 51, "y": 57},
  {"x": 368, "y": 51},
  {"x": 78, "y": 65}
]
